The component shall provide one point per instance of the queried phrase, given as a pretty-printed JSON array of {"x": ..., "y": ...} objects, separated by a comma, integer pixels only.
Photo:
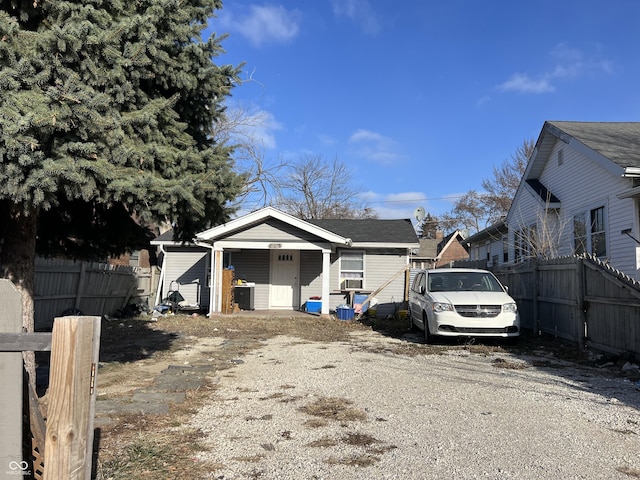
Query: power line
[{"x": 423, "y": 199}]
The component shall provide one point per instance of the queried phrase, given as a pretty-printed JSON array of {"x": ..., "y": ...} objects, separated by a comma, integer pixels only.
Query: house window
[
  {"x": 590, "y": 236},
  {"x": 579, "y": 234},
  {"x": 351, "y": 270},
  {"x": 505, "y": 249},
  {"x": 560, "y": 157},
  {"x": 598, "y": 235}
]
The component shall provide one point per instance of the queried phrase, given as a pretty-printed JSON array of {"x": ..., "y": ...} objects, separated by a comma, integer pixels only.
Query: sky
[{"x": 421, "y": 99}]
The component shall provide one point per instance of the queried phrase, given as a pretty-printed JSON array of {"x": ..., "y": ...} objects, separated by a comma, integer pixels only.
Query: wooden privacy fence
[
  {"x": 92, "y": 288},
  {"x": 61, "y": 448},
  {"x": 580, "y": 299}
]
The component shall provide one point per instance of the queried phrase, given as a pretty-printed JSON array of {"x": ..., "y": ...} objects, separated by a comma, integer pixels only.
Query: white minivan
[{"x": 462, "y": 302}]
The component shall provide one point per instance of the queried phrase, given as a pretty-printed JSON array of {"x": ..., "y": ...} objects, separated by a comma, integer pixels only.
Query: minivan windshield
[{"x": 463, "y": 281}]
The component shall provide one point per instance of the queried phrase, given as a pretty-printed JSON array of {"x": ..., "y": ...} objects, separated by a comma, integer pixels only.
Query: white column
[{"x": 326, "y": 281}]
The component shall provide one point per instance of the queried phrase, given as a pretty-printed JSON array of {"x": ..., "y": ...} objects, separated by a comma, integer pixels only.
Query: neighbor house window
[
  {"x": 525, "y": 243},
  {"x": 579, "y": 234},
  {"x": 351, "y": 270},
  {"x": 505, "y": 249},
  {"x": 589, "y": 236},
  {"x": 598, "y": 235}
]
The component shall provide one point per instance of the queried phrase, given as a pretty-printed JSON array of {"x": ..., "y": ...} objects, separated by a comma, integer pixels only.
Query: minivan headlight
[
  {"x": 510, "y": 307},
  {"x": 442, "y": 307}
]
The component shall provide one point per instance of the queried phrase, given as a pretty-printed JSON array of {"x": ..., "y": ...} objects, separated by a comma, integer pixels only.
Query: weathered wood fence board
[
  {"x": 11, "y": 462},
  {"x": 67, "y": 438},
  {"x": 90, "y": 287},
  {"x": 69, "y": 431},
  {"x": 579, "y": 299}
]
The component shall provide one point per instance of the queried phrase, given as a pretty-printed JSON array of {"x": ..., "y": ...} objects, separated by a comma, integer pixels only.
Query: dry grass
[{"x": 333, "y": 408}]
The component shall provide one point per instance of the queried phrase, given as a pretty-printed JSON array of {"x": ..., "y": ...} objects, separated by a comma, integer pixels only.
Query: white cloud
[
  {"x": 359, "y": 11},
  {"x": 252, "y": 126},
  {"x": 524, "y": 84},
  {"x": 374, "y": 147},
  {"x": 395, "y": 205},
  {"x": 569, "y": 63},
  {"x": 264, "y": 24}
]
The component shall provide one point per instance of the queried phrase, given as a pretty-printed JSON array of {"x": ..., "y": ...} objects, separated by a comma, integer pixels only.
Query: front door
[{"x": 284, "y": 279}]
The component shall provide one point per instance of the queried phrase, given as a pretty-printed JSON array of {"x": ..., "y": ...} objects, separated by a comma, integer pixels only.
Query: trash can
[{"x": 344, "y": 313}]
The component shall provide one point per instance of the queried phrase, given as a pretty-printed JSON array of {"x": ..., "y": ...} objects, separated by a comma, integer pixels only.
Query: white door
[{"x": 284, "y": 279}]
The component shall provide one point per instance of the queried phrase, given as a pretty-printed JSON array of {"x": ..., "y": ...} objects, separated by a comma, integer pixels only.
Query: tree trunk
[{"x": 17, "y": 263}]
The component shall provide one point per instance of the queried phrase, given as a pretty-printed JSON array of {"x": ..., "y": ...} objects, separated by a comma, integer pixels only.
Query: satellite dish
[{"x": 419, "y": 214}]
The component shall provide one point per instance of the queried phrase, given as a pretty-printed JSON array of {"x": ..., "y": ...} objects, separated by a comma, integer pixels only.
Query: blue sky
[{"x": 421, "y": 99}]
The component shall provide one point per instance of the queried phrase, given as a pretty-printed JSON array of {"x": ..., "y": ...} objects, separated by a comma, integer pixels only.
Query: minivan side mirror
[{"x": 421, "y": 289}]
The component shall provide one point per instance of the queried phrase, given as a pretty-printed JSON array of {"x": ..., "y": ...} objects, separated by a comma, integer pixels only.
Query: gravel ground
[{"x": 304, "y": 410}]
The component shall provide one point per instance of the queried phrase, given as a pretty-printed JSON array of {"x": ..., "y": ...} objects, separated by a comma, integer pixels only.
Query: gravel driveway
[{"x": 305, "y": 410}]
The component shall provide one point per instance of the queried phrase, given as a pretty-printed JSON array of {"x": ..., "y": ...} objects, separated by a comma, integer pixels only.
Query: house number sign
[{"x": 275, "y": 245}]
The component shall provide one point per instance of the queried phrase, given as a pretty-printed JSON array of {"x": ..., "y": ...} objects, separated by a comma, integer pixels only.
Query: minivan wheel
[{"x": 425, "y": 324}]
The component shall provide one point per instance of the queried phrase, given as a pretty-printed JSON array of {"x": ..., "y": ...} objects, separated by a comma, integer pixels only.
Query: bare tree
[
  {"x": 468, "y": 213},
  {"x": 477, "y": 210},
  {"x": 502, "y": 187},
  {"x": 316, "y": 188},
  {"x": 239, "y": 129}
]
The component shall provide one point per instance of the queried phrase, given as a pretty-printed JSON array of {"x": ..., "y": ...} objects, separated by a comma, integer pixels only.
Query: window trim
[
  {"x": 587, "y": 215},
  {"x": 341, "y": 270}
]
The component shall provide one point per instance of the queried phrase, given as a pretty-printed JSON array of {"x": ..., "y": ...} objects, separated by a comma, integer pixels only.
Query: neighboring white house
[
  {"x": 287, "y": 261},
  {"x": 579, "y": 194},
  {"x": 490, "y": 245}
]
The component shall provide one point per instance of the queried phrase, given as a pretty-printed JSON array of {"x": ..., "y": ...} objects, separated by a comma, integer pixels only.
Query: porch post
[
  {"x": 326, "y": 271},
  {"x": 216, "y": 281}
]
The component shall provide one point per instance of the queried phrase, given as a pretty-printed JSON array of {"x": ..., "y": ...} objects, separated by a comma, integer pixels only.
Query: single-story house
[
  {"x": 440, "y": 251},
  {"x": 285, "y": 261},
  {"x": 490, "y": 245},
  {"x": 580, "y": 193}
]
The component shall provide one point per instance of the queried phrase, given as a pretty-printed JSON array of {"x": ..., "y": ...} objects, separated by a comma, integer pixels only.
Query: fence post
[
  {"x": 12, "y": 463},
  {"x": 74, "y": 358},
  {"x": 536, "y": 292},
  {"x": 581, "y": 326}
]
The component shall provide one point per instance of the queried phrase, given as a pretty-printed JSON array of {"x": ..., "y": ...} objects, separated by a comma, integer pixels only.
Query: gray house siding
[
  {"x": 186, "y": 269},
  {"x": 253, "y": 266},
  {"x": 310, "y": 275},
  {"x": 381, "y": 266},
  {"x": 272, "y": 229}
]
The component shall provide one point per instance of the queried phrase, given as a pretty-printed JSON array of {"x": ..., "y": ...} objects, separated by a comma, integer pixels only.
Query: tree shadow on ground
[
  {"x": 122, "y": 341},
  {"x": 129, "y": 340}
]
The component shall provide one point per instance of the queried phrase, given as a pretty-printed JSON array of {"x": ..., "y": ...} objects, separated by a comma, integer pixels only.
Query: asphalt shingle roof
[
  {"x": 370, "y": 230},
  {"x": 618, "y": 141}
]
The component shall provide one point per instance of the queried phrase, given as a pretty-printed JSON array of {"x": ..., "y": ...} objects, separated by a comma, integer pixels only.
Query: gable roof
[
  {"x": 617, "y": 141},
  {"x": 433, "y": 248},
  {"x": 615, "y": 146},
  {"x": 365, "y": 232}
]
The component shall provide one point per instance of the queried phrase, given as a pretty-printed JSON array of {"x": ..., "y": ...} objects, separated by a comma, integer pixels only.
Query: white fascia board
[
  {"x": 267, "y": 245},
  {"x": 172, "y": 243},
  {"x": 265, "y": 213},
  {"x": 357, "y": 245}
]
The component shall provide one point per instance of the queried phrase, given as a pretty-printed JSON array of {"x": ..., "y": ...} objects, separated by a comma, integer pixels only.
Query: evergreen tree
[{"x": 106, "y": 112}]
